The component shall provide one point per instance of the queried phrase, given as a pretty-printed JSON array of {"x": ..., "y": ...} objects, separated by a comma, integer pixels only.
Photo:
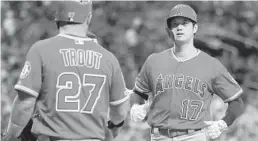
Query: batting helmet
[
  {"x": 75, "y": 11},
  {"x": 182, "y": 10}
]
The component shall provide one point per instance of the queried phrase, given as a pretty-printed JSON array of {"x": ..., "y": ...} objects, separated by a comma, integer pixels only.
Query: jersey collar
[
  {"x": 180, "y": 60},
  {"x": 74, "y": 37}
]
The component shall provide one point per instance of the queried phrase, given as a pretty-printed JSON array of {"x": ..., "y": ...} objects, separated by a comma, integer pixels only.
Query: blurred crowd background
[{"x": 132, "y": 30}]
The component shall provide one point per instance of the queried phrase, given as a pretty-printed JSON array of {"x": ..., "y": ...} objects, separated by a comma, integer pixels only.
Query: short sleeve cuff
[
  {"x": 120, "y": 101},
  {"x": 236, "y": 95},
  {"x": 27, "y": 90},
  {"x": 141, "y": 89}
]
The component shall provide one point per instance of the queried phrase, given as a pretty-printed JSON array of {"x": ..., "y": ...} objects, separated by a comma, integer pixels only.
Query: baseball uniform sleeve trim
[
  {"x": 27, "y": 90},
  {"x": 140, "y": 89},
  {"x": 120, "y": 101},
  {"x": 234, "y": 96},
  {"x": 142, "y": 95}
]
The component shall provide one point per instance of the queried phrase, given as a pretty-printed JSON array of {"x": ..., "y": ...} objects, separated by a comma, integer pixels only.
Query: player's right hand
[
  {"x": 139, "y": 112},
  {"x": 215, "y": 128}
]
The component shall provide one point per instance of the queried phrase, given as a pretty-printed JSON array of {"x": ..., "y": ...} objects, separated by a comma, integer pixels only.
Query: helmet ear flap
[
  {"x": 170, "y": 33},
  {"x": 168, "y": 29},
  {"x": 168, "y": 23}
]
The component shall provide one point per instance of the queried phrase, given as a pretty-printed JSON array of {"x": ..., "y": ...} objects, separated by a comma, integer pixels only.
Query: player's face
[{"x": 183, "y": 29}]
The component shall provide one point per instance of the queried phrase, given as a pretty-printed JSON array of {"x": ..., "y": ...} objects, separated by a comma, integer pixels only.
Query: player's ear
[{"x": 195, "y": 27}]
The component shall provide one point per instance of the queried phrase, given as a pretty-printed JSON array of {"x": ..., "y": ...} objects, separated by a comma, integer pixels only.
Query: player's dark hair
[{"x": 64, "y": 23}]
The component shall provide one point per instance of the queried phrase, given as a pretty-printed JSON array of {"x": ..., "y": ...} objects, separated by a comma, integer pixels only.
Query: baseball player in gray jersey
[
  {"x": 178, "y": 84},
  {"x": 70, "y": 85}
]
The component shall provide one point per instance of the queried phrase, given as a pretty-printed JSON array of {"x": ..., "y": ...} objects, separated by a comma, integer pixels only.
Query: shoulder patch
[{"x": 26, "y": 70}]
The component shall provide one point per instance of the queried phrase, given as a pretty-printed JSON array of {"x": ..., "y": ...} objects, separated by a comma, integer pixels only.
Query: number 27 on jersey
[{"x": 76, "y": 95}]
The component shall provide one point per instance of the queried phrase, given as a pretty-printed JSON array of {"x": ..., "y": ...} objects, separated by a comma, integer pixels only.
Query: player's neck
[
  {"x": 75, "y": 32},
  {"x": 184, "y": 51}
]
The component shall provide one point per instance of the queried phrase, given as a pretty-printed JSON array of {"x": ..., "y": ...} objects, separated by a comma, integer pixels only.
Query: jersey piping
[
  {"x": 140, "y": 89},
  {"x": 179, "y": 60},
  {"x": 119, "y": 101},
  {"x": 236, "y": 95},
  {"x": 74, "y": 37},
  {"x": 26, "y": 89}
]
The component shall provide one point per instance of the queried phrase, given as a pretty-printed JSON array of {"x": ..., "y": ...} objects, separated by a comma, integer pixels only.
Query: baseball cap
[
  {"x": 182, "y": 10},
  {"x": 72, "y": 10}
]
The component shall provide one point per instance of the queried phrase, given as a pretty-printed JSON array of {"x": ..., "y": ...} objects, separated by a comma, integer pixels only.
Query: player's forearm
[
  {"x": 235, "y": 109},
  {"x": 119, "y": 112},
  {"x": 22, "y": 111}
]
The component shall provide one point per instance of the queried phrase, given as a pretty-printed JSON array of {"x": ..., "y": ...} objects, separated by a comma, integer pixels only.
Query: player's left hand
[
  {"x": 8, "y": 137},
  {"x": 215, "y": 128}
]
